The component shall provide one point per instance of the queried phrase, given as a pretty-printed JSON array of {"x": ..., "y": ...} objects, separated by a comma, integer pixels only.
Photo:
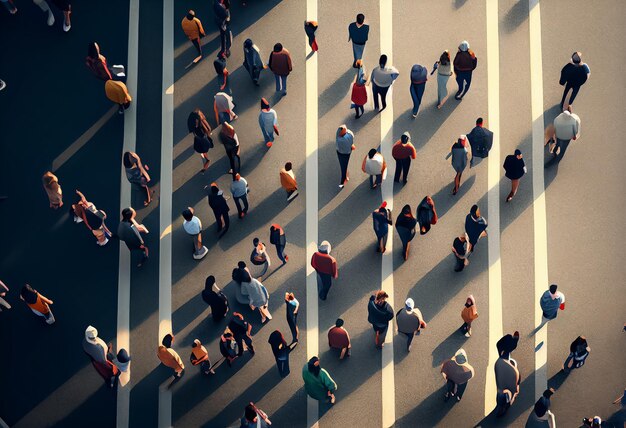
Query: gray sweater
[
  {"x": 344, "y": 142},
  {"x": 238, "y": 187}
]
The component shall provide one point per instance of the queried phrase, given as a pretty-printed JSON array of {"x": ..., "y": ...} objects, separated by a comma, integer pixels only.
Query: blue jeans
[
  {"x": 281, "y": 83},
  {"x": 268, "y": 136},
  {"x": 379, "y": 179},
  {"x": 416, "y": 94}
]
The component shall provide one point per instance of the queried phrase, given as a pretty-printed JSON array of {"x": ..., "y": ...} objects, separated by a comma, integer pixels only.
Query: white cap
[
  {"x": 410, "y": 304},
  {"x": 91, "y": 333}
]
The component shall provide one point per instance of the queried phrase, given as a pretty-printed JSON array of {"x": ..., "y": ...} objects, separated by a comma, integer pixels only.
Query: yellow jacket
[{"x": 192, "y": 28}]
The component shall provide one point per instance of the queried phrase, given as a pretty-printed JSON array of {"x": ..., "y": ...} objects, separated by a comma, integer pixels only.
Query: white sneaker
[
  {"x": 203, "y": 252},
  {"x": 292, "y": 196},
  {"x": 66, "y": 27},
  {"x": 103, "y": 243},
  {"x": 50, "y": 18},
  {"x": 77, "y": 220}
]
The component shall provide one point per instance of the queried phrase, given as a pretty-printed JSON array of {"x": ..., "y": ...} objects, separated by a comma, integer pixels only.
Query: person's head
[
  {"x": 91, "y": 333},
  {"x": 196, "y": 343},
  {"x": 540, "y": 407},
  {"x": 343, "y": 129},
  {"x": 278, "y": 47},
  {"x": 236, "y": 177},
  {"x": 405, "y": 138},
  {"x": 479, "y": 121},
  {"x": 461, "y": 356},
  {"x": 128, "y": 214},
  {"x": 188, "y": 213},
  {"x": 314, "y": 366},
  {"x": 289, "y": 296},
  {"x": 214, "y": 189},
  {"x": 48, "y": 179},
  {"x": 577, "y": 57},
  {"x": 474, "y": 211},
  {"x": 382, "y": 61},
  {"x": 462, "y": 238},
  {"x": 516, "y": 334},
  {"x": 360, "y": 19},
  {"x": 191, "y": 14},
  {"x": 241, "y": 265},
  {"x": 553, "y": 288},
  {"x": 381, "y": 295},
  {"x": 255, "y": 241},
  {"x": 324, "y": 247},
  {"x": 518, "y": 153},
  {"x": 265, "y": 104},
  {"x": 288, "y": 166},
  {"x": 248, "y": 43},
  {"x": 93, "y": 50},
  {"x": 127, "y": 160},
  {"x": 250, "y": 413},
  {"x": 406, "y": 210},
  {"x": 339, "y": 322},
  {"x": 371, "y": 153},
  {"x": 209, "y": 282},
  {"x": 464, "y": 46},
  {"x": 409, "y": 304},
  {"x": 445, "y": 58},
  {"x": 227, "y": 333},
  {"x": 122, "y": 356},
  {"x": 167, "y": 341},
  {"x": 568, "y": 109}
]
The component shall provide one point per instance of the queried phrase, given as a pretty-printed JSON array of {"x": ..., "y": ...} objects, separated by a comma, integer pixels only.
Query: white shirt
[{"x": 193, "y": 226}]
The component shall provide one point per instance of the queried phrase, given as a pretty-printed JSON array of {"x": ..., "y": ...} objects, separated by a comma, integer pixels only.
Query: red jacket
[{"x": 325, "y": 263}]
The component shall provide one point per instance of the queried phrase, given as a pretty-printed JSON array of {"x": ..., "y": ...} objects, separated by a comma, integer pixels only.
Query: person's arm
[
  {"x": 249, "y": 329},
  {"x": 45, "y": 299},
  {"x": 384, "y": 166},
  {"x": 363, "y": 164},
  {"x": 81, "y": 196},
  {"x": 335, "y": 269},
  {"x": 4, "y": 286},
  {"x": 349, "y": 35},
  {"x": 141, "y": 167},
  {"x": 224, "y": 78},
  {"x": 217, "y": 118},
  {"x": 295, "y": 311},
  {"x": 140, "y": 227},
  {"x": 289, "y": 62},
  {"x": 551, "y": 419}
]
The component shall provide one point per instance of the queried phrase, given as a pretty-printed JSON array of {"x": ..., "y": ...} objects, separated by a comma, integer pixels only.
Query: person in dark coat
[
  {"x": 252, "y": 60},
  {"x": 201, "y": 130},
  {"x": 514, "y": 169},
  {"x": 358, "y": 34},
  {"x": 222, "y": 19},
  {"x": 480, "y": 140},
  {"x": 218, "y": 204},
  {"x": 280, "y": 64},
  {"x": 310, "y": 27},
  {"x": 579, "y": 351},
  {"x": 279, "y": 240},
  {"x": 573, "y": 76},
  {"x": 507, "y": 344},
  {"x": 280, "y": 349},
  {"x": 475, "y": 228},
  {"x": 215, "y": 298},
  {"x": 464, "y": 63},
  {"x": 459, "y": 249},
  {"x": 379, "y": 313},
  {"x": 426, "y": 214},
  {"x": 382, "y": 220},
  {"x": 405, "y": 225},
  {"x": 229, "y": 139}
]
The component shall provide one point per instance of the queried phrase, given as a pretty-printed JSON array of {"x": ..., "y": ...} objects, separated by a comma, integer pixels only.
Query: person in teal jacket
[{"x": 317, "y": 382}]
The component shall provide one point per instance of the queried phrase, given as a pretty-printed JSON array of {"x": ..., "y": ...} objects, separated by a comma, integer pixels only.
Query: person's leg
[
  {"x": 468, "y": 81},
  {"x": 409, "y": 340},
  {"x": 283, "y": 80},
  {"x": 238, "y": 205},
  {"x": 396, "y": 175},
  {"x": 565, "y": 91},
  {"x": 419, "y": 89},
  {"x": 379, "y": 179},
  {"x": 562, "y": 146},
  {"x": 277, "y": 79},
  {"x": 449, "y": 389},
  {"x": 226, "y": 221},
  {"x": 326, "y": 284},
  {"x": 8, "y": 4},
  {"x": 382, "y": 335},
  {"x": 281, "y": 255},
  {"x": 244, "y": 198},
  {"x": 457, "y": 182},
  {"x": 49, "y": 317},
  {"x": 266, "y": 266},
  {"x": 566, "y": 365},
  {"x": 406, "y": 164},
  {"x": 371, "y": 181},
  {"x": 375, "y": 92},
  {"x": 383, "y": 97},
  {"x": 43, "y": 5},
  {"x": 248, "y": 340},
  {"x": 294, "y": 330},
  {"x": 575, "y": 90},
  {"x": 196, "y": 43},
  {"x": 416, "y": 105},
  {"x": 460, "y": 390},
  {"x": 459, "y": 82}
]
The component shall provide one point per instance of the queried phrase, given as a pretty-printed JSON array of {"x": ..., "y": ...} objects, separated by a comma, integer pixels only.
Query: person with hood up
[
  {"x": 379, "y": 313},
  {"x": 579, "y": 351},
  {"x": 288, "y": 181},
  {"x": 459, "y": 152},
  {"x": 573, "y": 75},
  {"x": 541, "y": 416},
  {"x": 252, "y": 61},
  {"x": 218, "y": 204},
  {"x": 480, "y": 140},
  {"x": 280, "y": 349},
  {"x": 201, "y": 130},
  {"x": 359, "y": 91},
  {"x": 317, "y": 382},
  {"x": 410, "y": 322},
  {"x": 169, "y": 357},
  {"x": 381, "y": 220},
  {"x": 456, "y": 371},
  {"x": 215, "y": 298},
  {"x": 403, "y": 151},
  {"x": 223, "y": 107},
  {"x": 279, "y": 240},
  {"x": 374, "y": 164},
  {"x": 514, "y": 170},
  {"x": 326, "y": 267},
  {"x": 419, "y": 76},
  {"x": 551, "y": 301},
  {"x": 475, "y": 228},
  {"x": 382, "y": 79},
  {"x": 469, "y": 314},
  {"x": 192, "y": 27},
  {"x": 258, "y": 298},
  {"x": 465, "y": 62},
  {"x": 344, "y": 142},
  {"x": 200, "y": 357},
  {"x": 405, "y": 225},
  {"x": 426, "y": 214},
  {"x": 280, "y": 64},
  {"x": 98, "y": 352},
  {"x": 268, "y": 122},
  {"x": 117, "y": 92}
]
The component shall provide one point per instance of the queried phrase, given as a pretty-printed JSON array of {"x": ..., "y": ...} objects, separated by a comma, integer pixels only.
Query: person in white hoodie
[
  {"x": 374, "y": 164},
  {"x": 566, "y": 128}
]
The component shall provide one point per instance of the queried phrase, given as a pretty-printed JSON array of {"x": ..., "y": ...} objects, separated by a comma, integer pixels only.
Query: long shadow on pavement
[{"x": 429, "y": 412}]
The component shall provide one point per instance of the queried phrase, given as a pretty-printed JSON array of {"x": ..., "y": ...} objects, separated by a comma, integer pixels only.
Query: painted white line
[
  {"x": 312, "y": 215},
  {"x": 123, "y": 283},
  {"x": 539, "y": 196},
  {"x": 165, "y": 200},
  {"x": 493, "y": 197},
  {"x": 3, "y": 424},
  {"x": 386, "y": 142}
]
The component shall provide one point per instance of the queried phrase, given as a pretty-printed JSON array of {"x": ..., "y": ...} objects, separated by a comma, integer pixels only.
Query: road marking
[
  {"x": 123, "y": 282},
  {"x": 539, "y": 195},
  {"x": 312, "y": 215},
  {"x": 3, "y": 424},
  {"x": 165, "y": 202},
  {"x": 386, "y": 142},
  {"x": 493, "y": 198}
]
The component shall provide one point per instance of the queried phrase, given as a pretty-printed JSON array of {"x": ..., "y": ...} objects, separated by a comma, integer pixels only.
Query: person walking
[
  {"x": 419, "y": 76},
  {"x": 38, "y": 303},
  {"x": 374, "y": 164},
  {"x": 379, "y": 313},
  {"x": 252, "y": 61},
  {"x": 224, "y": 107},
  {"x": 468, "y": 315},
  {"x": 117, "y": 92},
  {"x": 64, "y": 6},
  {"x": 382, "y": 79},
  {"x": 258, "y": 298},
  {"x": 280, "y": 349},
  {"x": 459, "y": 152},
  {"x": 97, "y": 64},
  {"x": 551, "y": 301},
  {"x": 53, "y": 190},
  {"x": 122, "y": 362},
  {"x": 480, "y": 140},
  {"x": 514, "y": 170},
  {"x": 93, "y": 219},
  {"x": 193, "y": 227},
  {"x": 359, "y": 91},
  {"x": 358, "y": 33},
  {"x": 541, "y": 416},
  {"x": 410, "y": 322},
  {"x": 97, "y": 351},
  {"x": 239, "y": 189},
  {"x": 426, "y": 214},
  {"x": 459, "y": 249},
  {"x": 221, "y": 8},
  {"x": 137, "y": 173},
  {"x": 579, "y": 351},
  {"x": 566, "y": 128},
  {"x": 475, "y": 228},
  {"x": 218, "y": 204},
  {"x": 444, "y": 71},
  {"x": 456, "y": 371},
  {"x": 192, "y": 27},
  {"x": 169, "y": 357},
  {"x": 253, "y": 416},
  {"x": 403, "y": 151},
  {"x": 405, "y": 225},
  {"x": 280, "y": 64},
  {"x": 221, "y": 70},
  {"x": 241, "y": 330},
  {"x": 326, "y": 267},
  {"x": 292, "y": 306},
  {"x": 310, "y": 27},
  {"x": 465, "y": 62},
  {"x": 288, "y": 181},
  {"x": 215, "y": 298},
  {"x": 259, "y": 256},
  {"x": 10, "y": 6},
  {"x": 228, "y": 347},
  {"x": 338, "y": 338},
  {"x": 198, "y": 125},
  {"x": 279, "y": 240},
  {"x": 344, "y": 142},
  {"x": 268, "y": 122},
  {"x": 573, "y": 75},
  {"x": 130, "y": 232},
  {"x": 317, "y": 381},
  {"x": 507, "y": 344},
  {"x": 200, "y": 357},
  {"x": 229, "y": 139},
  {"x": 507, "y": 384},
  {"x": 382, "y": 220}
]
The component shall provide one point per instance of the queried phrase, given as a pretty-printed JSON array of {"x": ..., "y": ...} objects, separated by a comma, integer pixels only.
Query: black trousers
[
  {"x": 402, "y": 168},
  {"x": 324, "y": 282},
  {"x": 235, "y": 160},
  {"x": 218, "y": 219},
  {"x": 574, "y": 89},
  {"x": 343, "y": 164},
  {"x": 382, "y": 91},
  {"x": 240, "y": 340},
  {"x": 196, "y": 43}
]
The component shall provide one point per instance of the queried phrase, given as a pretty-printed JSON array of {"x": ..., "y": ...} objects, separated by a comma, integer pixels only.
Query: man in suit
[{"x": 218, "y": 204}]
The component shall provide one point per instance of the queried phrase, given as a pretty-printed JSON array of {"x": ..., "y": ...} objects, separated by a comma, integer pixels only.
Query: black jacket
[
  {"x": 379, "y": 315},
  {"x": 513, "y": 167},
  {"x": 481, "y": 140},
  {"x": 218, "y": 203}
]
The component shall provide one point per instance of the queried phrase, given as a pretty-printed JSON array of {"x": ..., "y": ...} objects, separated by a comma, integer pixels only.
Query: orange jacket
[{"x": 192, "y": 28}]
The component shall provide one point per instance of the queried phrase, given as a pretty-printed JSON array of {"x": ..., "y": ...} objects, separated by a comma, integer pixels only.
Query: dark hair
[
  {"x": 92, "y": 50},
  {"x": 215, "y": 189},
  {"x": 479, "y": 121},
  {"x": 314, "y": 369},
  {"x": 187, "y": 214},
  {"x": 29, "y": 294},
  {"x": 278, "y": 47},
  {"x": 407, "y": 210},
  {"x": 371, "y": 153},
  {"x": 127, "y": 214},
  {"x": 473, "y": 210},
  {"x": 264, "y": 103},
  {"x": 209, "y": 281},
  {"x": 194, "y": 344},
  {"x": 288, "y": 166},
  {"x": 248, "y": 43},
  {"x": 127, "y": 160},
  {"x": 444, "y": 59},
  {"x": 191, "y": 14},
  {"x": 250, "y": 412},
  {"x": 339, "y": 322},
  {"x": 167, "y": 340},
  {"x": 383, "y": 60},
  {"x": 360, "y": 18},
  {"x": 255, "y": 241},
  {"x": 241, "y": 265},
  {"x": 553, "y": 288}
]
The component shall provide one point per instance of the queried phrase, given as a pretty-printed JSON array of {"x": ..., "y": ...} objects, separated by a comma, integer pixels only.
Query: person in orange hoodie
[
  {"x": 200, "y": 356},
  {"x": 469, "y": 314},
  {"x": 118, "y": 93},
  {"x": 288, "y": 181},
  {"x": 192, "y": 27},
  {"x": 169, "y": 357}
]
